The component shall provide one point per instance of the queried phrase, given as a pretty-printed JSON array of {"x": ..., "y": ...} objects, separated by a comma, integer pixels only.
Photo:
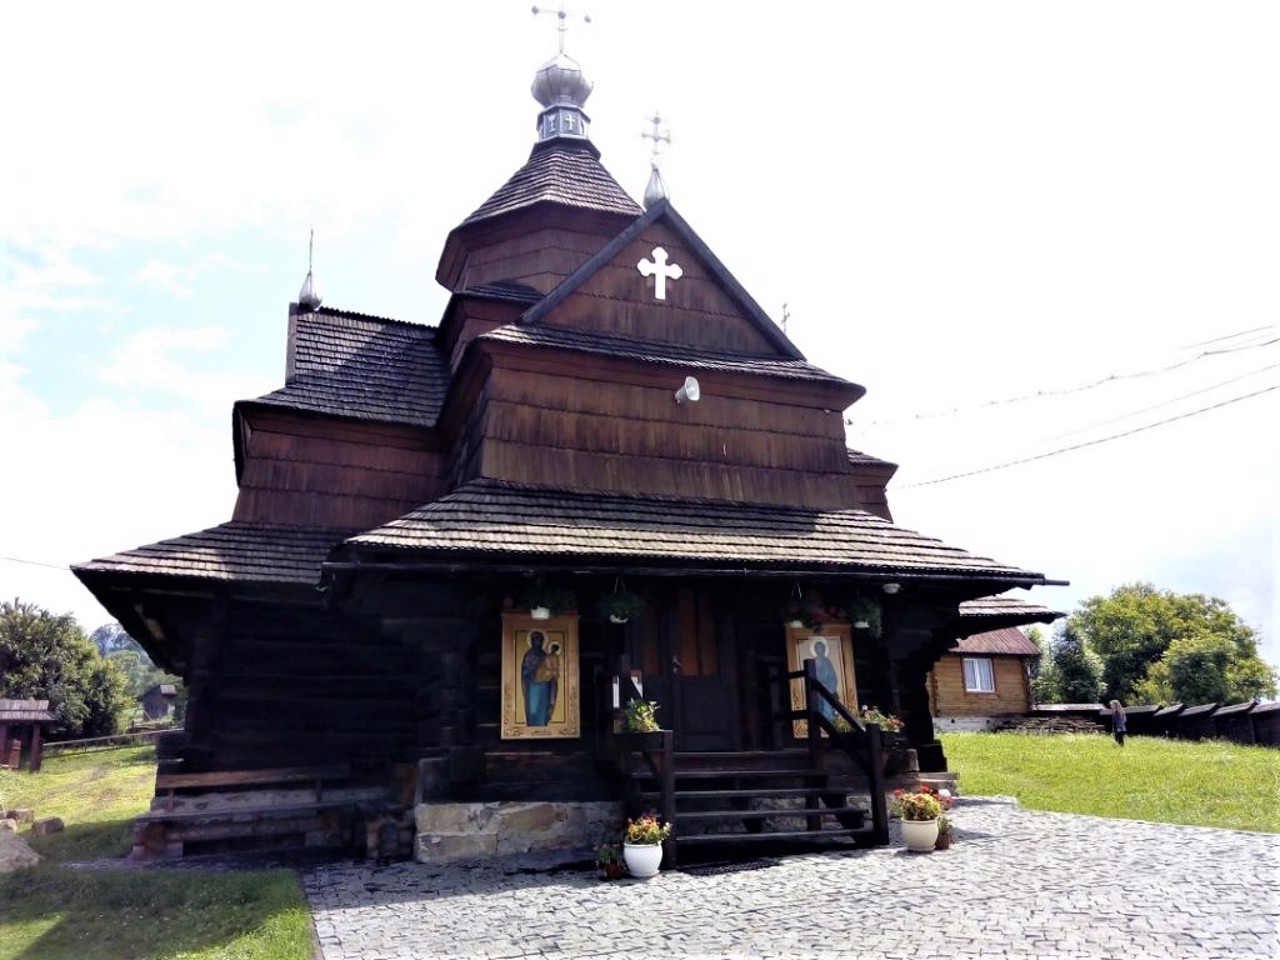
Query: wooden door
[{"x": 689, "y": 669}]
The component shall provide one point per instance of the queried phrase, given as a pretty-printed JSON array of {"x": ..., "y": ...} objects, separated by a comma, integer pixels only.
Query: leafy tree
[
  {"x": 1155, "y": 646},
  {"x": 47, "y": 657},
  {"x": 1073, "y": 673}
]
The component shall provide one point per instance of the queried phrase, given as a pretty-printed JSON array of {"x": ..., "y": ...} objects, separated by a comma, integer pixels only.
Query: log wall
[{"x": 950, "y": 699}]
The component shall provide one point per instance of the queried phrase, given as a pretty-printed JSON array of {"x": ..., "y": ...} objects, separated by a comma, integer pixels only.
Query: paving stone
[{"x": 1016, "y": 884}]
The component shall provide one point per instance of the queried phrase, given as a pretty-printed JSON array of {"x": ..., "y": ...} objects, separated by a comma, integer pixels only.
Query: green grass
[
  {"x": 52, "y": 912},
  {"x": 1212, "y": 784}
]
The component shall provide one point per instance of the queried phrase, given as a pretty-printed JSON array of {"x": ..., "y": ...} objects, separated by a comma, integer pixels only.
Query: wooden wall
[
  {"x": 315, "y": 472},
  {"x": 540, "y": 258},
  {"x": 948, "y": 698},
  {"x": 619, "y": 300},
  {"x": 602, "y": 426}
]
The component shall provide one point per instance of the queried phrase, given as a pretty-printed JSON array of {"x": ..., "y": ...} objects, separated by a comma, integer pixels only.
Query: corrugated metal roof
[
  {"x": 562, "y": 173},
  {"x": 653, "y": 351},
  {"x": 25, "y": 711},
  {"x": 230, "y": 551},
  {"x": 366, "y": 368},
  {"x": 488, "y": 517},
  {"x": 1010, "y": 641}
]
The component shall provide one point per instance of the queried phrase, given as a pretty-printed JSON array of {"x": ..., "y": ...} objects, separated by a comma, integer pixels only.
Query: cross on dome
[
  {"x": 660, "y": 135},
  {"x": 563, "y": 16}
]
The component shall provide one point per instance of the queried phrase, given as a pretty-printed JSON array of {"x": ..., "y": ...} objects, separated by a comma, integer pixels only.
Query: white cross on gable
[{"x": 661, "y": 271}]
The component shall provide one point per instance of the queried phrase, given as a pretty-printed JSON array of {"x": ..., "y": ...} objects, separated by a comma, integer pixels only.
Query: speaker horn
[{"x": 689, "y": 390}]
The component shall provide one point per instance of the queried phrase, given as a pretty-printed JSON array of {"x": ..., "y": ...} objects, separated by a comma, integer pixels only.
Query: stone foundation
[
  {"x": 966, "y": 724},
  {"x": 466, "y": 831}
]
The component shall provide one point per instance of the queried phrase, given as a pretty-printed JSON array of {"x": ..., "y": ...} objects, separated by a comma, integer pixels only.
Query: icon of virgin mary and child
[{"x": 540, "y": 679}]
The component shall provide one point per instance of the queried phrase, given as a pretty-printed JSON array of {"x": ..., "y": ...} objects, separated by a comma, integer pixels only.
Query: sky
[{"x": 1043, "y": 237}]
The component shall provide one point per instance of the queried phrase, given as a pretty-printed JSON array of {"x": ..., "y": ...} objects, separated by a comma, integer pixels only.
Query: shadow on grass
[
  {"x": 97, "y": 840},
  {"x": 140, "y": 914}
]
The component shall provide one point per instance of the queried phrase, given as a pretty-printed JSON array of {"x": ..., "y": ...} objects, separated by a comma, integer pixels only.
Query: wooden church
[{"x": 605, "y": 475}]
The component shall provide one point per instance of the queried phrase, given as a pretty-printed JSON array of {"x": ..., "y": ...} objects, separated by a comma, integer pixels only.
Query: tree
[
  {"x": 47, "y": 657},
  {"x": 1160, "y": 647},
  {"x": 1073, "y": 673}
]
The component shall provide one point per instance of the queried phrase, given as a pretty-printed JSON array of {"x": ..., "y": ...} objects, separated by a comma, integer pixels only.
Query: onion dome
[
  {"x": 562, "y": 88},
  {"x": 656, "y": 189},
  {"x": 309, "y": 296}
]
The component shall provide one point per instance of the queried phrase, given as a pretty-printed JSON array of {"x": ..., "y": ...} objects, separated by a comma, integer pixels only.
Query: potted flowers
[
  {"x": 804, "y": 614},
  {"x": 620, "y": 606},
  {"x": 919, "y": 811},
  {"x": 638, "y": 716},
  {"x": 609, "y": 862},
  {"x": 642, "y": 844},
  {"x": 864, "y": 613},
  {"x": 944, "y": 834},
  {"x": 545, "y": 602},
  {"x": 885, "y": 721}
]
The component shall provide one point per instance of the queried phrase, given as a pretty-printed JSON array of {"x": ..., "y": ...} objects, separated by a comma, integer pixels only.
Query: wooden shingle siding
[
  {"x": 313, "y": 472},
  {"x": 541, "y": 259},
  {"x": 946, "y": 686}
]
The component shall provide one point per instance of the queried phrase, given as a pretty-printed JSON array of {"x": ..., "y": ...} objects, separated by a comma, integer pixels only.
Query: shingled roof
[
  {"x": 228, "y": 552},
  {"x": 1009, "y": 641},
  {"x": 25, "y": 711},
  {"x": 366, "y": 368},
  {"x": 559, "y": 172},
  {"x": 669, "y": 354},
  {"x": 488, "y": 518},
  {"x": 991, "y": 607}
]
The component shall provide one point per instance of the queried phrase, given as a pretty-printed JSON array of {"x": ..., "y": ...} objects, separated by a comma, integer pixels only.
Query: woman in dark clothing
[{"x": 1117, "y": 722}]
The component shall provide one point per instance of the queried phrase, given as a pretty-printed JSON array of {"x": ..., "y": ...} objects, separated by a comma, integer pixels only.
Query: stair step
[
  {"x": 641, "y": 773},
  {"x": 705, "y": 815},
  {"x": 745, "y": 792},
  {"x": 841, "y": 833}
]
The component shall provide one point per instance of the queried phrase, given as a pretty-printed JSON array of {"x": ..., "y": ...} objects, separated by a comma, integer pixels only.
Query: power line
[
  {"x": 1081, "y": 388},
  {"x": 1164, "y": 403},
  {"x": 1089, "y": 443},
  {"x": 37, "y": 563}
]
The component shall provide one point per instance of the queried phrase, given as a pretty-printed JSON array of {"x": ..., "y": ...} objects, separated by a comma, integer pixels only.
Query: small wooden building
[
  {"x": 986, "y": 676},
  {"x": 20, "y": 727},
  {"x": 158, "y": 701},
  {"x": 602, "y": 409}
]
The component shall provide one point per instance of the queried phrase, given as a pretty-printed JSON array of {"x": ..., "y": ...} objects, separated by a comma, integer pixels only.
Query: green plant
[
  {"x": 924, "y": 803},
  {"x": 609, "y": 861},
  {"x": 552, "y": 598},
  {"x": 885, "y": 721},
  {"x": 647, "y": 829},
  {"x": 864, "y": 613},
  {"x": 639, "y": 716},
  {"x": 944, "y": 825},
  {"x": 808, "y": 613},
  {"x": 621, "y": 605}
]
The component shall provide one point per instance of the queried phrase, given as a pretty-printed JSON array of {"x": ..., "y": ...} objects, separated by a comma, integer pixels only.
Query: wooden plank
[{"x": 228, "y": 778}]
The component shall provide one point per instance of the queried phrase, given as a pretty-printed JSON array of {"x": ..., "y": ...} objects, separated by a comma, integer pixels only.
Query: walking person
[{"x": 1117, "y": 722}]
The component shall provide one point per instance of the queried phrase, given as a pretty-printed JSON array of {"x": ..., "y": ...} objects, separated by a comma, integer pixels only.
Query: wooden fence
[{"x": 1250, "y": 722}]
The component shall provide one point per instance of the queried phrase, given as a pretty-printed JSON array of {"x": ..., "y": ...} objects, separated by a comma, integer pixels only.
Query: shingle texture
[
  {"x": 230, "y": 551},
  {"x": 1009, "y": 641},
  {"x": 652, "y": 351},
  {"x": 489, "y": 517},
  {"x": 560, "y": 173},
  {"x": 367, "y": 368},
  {"x": 1006, "y": 607},
  {"x": 25, "y": 711},
  {"x": 866, "y": 459}
]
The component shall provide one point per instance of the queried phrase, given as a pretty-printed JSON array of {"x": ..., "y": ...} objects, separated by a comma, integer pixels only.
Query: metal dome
[{"x": 561, "y": 81}]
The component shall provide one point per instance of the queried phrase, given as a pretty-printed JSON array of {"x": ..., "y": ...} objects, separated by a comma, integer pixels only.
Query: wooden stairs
[{"x": 727, "y": 800}]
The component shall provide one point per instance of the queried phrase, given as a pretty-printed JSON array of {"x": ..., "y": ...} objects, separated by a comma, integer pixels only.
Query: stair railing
[
  {"x": 657, "y": 752},
  {"x": 861, "y": 741}
]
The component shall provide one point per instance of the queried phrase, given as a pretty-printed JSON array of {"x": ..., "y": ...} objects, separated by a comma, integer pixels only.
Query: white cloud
[{"x": 175, "y": 280}]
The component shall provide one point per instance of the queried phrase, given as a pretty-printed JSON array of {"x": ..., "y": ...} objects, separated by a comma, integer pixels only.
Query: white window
[{"x": 979, "y": 675}]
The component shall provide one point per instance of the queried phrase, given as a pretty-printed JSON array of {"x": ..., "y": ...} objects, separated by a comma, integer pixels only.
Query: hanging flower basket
[
  {"x": 620, "y": 606},
  {"x": 864, "y": 614},
  {"x": 545, "y": 602}
]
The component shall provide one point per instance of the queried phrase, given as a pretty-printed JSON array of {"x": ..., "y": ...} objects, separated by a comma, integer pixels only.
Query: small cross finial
[
  {"x": 311, "y": 248},
  {"x": 786, "y": 315},
  {"x": 563, "y": 16},
  {"x": 660, "y": 135}
]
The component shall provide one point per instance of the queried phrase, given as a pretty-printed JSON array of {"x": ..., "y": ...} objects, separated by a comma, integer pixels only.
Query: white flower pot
[
  {"x": 616, "y": 619},
  {"x": 540, "y": 613},
  {"x": 796, "y": 624},
  {"x": 920, "y": 835},
  {"x": 643, "y": 859}
]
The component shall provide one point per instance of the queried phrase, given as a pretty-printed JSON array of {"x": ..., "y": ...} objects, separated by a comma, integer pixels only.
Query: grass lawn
[
  {"x": 1212, "y": 784},
  {"x": 52, "y": 912}
]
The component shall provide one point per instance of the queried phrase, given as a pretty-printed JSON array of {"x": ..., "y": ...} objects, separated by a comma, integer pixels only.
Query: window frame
[{"x": 991, "y": 673}]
